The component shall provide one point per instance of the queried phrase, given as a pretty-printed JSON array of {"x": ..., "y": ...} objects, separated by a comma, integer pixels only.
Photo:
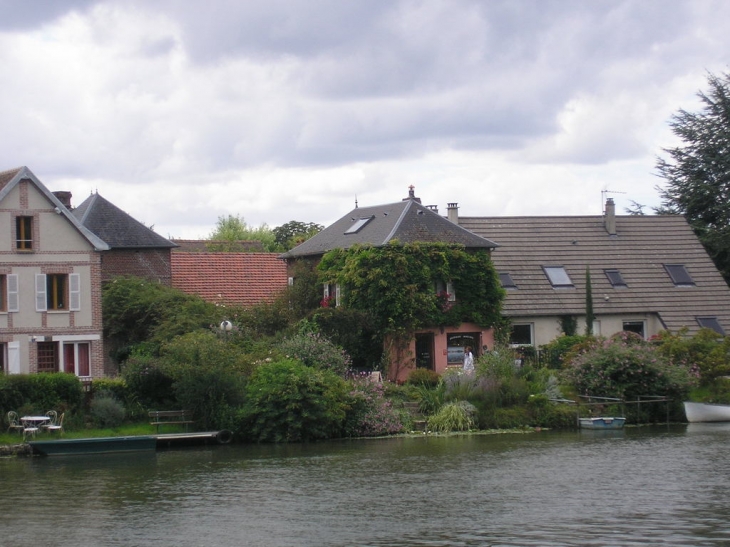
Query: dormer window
[
  {"x": 679, "y": 274},
  {"x": 358, "y": 225},
  {"x": 615, "y": 278},
  {"x": 506, "y": 280},
  {"x": 558, "y": 277},
  {"x": 711, "y": 323}
]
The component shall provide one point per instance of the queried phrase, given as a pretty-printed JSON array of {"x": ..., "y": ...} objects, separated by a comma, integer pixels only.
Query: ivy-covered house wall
[{"x": 429, "y": 300}]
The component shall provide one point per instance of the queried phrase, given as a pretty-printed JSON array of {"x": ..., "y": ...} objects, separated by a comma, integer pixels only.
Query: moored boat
[
  {"x": 706, "y": 412},
  {"x": 94, "y": 445},
  {"x": 602, "y": 422}
]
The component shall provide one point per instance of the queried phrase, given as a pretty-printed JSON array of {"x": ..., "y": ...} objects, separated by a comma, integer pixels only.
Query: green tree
[
  {"x": 698, "y": 172},
  {"x": 232, "y": 229},
  {"x": 590, "y": 316},
  {"x": 293, "y": 233}
]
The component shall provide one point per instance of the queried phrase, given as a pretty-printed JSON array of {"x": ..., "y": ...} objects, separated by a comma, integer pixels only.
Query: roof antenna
[{"x": 604, "y": 193}]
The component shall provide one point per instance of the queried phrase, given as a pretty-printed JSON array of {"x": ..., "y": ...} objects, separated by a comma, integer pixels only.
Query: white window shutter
[
  {"x": 13, "y": 357},
  {"x": 337, "y": 295},
  {"x": 450, "y": 291},
  {"x": 13, "y": 301},
  {"x": 41, "y": 304},
  {"x": 74, "y": 291},
  {"x": 326, "y": 290}
]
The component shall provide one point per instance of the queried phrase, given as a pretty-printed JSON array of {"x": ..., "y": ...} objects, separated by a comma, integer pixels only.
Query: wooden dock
[{"x": 166, "y": 440}]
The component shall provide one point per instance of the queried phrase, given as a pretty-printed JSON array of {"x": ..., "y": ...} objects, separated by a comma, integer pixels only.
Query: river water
[{"x": 667, "y": 485}]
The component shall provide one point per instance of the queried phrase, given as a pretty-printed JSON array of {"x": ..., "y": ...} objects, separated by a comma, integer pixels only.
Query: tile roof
[
  {"x": 639, "y": 250},
  {"x": 406, "y": 221},
  {"x": 243, "y": 279},
  {"x": 209, "y": 246},
  {"x": 116, "y": 227}
]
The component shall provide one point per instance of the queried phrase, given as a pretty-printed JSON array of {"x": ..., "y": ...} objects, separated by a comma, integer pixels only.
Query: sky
[{"x": 181, "y": 111}]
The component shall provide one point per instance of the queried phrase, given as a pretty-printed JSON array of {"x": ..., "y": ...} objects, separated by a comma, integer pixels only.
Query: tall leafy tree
[
  {"x": 294, "y": 232},
  {"x": 698, "y": 172},
  {"x": 231, "y": 229}
]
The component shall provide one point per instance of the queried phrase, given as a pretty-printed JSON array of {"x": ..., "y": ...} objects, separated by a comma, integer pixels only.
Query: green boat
[{"x": 95, "y": 445}]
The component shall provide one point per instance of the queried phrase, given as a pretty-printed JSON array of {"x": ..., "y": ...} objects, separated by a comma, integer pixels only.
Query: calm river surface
[{"x": 666, "y": 485}]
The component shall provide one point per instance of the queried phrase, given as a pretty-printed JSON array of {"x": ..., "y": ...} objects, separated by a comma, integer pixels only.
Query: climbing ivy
[{"x": 398, "y": 284}]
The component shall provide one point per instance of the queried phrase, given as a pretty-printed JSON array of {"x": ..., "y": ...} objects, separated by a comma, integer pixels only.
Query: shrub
[
  {"x": 288, "y": 401},
  {"x": 41, "y": 392},
  {"x": 553, "y": 354},
  {"x": 106, "y": 411},
  {"x": 147, "y": 382},
  {"x": 315, "y": 350},
  {"x": 370, "y": 413},
  {"x": 454, "y": 416},
  {"x": 626, "y": 367},
  {"x": 423, "y": 377}
]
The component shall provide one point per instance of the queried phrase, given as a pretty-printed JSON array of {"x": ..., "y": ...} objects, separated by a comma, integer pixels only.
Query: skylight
[
  {"x": 506, "y": 279},
  {"x": 711, "y": 323},
  {"x": 679, "y": 274},
  {"x": 615, "y": 278},
  {"x": 558, "y": 277},
  {"x": 356, "y": 226}
]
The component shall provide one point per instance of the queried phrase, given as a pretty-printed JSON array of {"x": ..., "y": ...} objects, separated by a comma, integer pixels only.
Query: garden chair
[
  {"x": 57, "y": 426},
  {"x": 52, "y": 419},
  {"x": 29, "y": 430},
  {"x": 14, "y": 422}
]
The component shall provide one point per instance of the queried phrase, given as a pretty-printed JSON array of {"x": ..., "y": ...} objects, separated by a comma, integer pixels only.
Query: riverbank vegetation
[{"x": 279, "y": 377}]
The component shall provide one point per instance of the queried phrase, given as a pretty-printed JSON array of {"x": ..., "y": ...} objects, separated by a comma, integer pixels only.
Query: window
[
  {"x": 506, "y": 280},
  {"x": 521, "y": 335},
  {"x": 679, "y": 274},
  {"x": 47, "y": 357},
  {"x": 457, "y": 342},
  {"x": 634, "y": 326},
  {"x": 76, "y": 358},
  {"x": 359, "y": 223},
  {"x": 615, "y": 278},
  {"x": 446, "y": 289},
  {"x": 331, "y": 296},
  {"x": 711, "y": 323},
  {"x": 58, "y": 292},
  {"x": 558, "y": 277},
  {"x": 24, "y": 233}
]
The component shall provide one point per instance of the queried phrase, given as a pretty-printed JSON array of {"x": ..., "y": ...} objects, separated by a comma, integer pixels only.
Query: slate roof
[
  {"x": 243, "y": 279},
  {"x": 9, "y": 179},
  {"x": 406, "y": 221},
  {"x": 116, "y": 227},
  {"x": 639, "y": 250}
]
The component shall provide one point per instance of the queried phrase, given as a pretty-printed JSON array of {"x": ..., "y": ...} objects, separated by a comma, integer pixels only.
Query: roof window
[
  {"x": 615, "y": 278},
  {"x": 558, "y": 277},
  {"x": 711, "y": 323},
  {"x": 679, "y": 274},
  {"x": 506, "y": 280},
  {"x": 359, "y": 223}
]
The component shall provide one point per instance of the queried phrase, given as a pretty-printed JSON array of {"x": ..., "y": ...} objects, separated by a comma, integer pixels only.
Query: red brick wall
[{"x": 152, "y": 264}]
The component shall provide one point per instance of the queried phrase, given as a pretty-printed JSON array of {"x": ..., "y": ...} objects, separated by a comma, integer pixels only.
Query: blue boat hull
[
  {"x": 97, "y": 445},
  {"x": 602, "y": 423}
]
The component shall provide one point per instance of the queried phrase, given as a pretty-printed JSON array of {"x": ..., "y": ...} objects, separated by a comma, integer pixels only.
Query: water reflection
[{"x": 640, "y": 486}]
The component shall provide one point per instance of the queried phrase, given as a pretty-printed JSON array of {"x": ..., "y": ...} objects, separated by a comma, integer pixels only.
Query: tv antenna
[{"x": 603, "y": 198}]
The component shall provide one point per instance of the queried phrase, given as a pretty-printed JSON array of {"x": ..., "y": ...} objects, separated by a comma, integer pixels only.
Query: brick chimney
[
  {"x": 64, "y": 197},
  {"x": 610, "y": 217},
  {"x": 452, "y": 212}
]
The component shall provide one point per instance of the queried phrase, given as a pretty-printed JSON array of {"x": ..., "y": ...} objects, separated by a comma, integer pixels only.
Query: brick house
[
  {"x": 50, "y": 283},
  {"x": 134, "y": 249},
  {"x": 408, "y": 221}
]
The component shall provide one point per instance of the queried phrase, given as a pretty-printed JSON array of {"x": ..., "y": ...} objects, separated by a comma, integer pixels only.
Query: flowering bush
[
  {"x": 625, "y": 366},
  {"x": 315, "y": 350},
  {"x": 370, "y": 413}
]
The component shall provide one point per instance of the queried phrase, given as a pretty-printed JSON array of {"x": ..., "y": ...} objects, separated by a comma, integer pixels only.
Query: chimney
[
  {"x": 64, "y": 197},
  {"x": 452, "y": 212},
  {"x": 412, "y": 194},
  {"x": 610, "y": 217}
]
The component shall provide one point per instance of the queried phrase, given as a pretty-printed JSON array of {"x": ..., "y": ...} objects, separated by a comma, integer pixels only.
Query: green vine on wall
[{"x": 398, "y": 284}]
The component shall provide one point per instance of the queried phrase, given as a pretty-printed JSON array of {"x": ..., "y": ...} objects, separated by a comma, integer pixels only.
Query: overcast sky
[{"x": 183, "y": 111}]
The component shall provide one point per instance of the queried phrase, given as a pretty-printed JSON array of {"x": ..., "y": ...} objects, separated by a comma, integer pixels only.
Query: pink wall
[{"x": 402, "y": 365}]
